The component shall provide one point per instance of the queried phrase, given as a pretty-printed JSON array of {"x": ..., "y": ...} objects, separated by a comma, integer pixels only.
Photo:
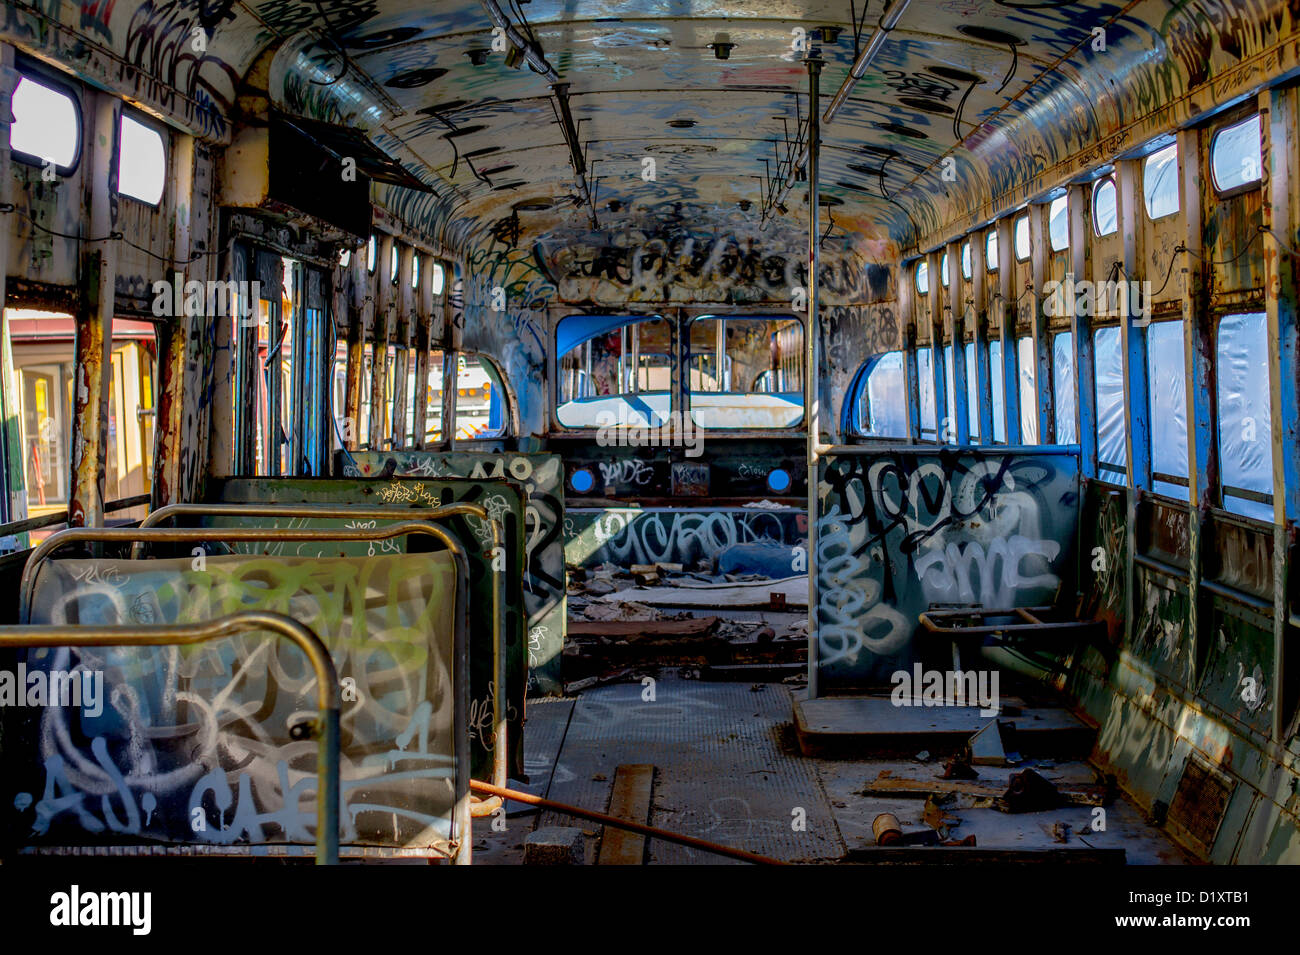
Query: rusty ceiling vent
[{"x": 722, "y": 46}]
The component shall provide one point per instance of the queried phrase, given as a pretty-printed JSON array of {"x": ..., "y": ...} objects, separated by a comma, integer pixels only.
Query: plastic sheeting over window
[
  {"x": 949, "y": 423},
  {"x": 1067, "y": 431},
  {"x": 972, "y": 393},
  {"x": 1245, "y": 423},
  {"x": 1112, "y": 452},
  {"x": 1028, "y": 390},
  {"x": 882, "y": 401},
  {"x": 1235, "y": 157},
  {"x": 997, "y": 386},
  {"x": 925, "y": 389},
  {"x": 1167, "y": 386}
]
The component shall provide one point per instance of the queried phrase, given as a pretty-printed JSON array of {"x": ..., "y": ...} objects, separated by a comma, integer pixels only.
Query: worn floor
[{"x": 728, "y": 769}]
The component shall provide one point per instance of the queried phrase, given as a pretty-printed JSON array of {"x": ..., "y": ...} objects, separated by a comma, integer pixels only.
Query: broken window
[
  {"x": 480, "y": 398},
  {"x": 46, "y": 124},
  {"x": 1105, "y": 207},
  {"x": 746, "y": 372},
  {"x": 880, "y": 410},
  {"x": 614, "y": 371}
]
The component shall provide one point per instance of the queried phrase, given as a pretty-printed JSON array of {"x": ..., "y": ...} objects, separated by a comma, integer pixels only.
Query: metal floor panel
[{"x": 723, "y": 772}]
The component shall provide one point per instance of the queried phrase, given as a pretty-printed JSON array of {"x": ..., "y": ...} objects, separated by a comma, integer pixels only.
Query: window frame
[
  {"x": 142, "y": 119},
  {"x": 1092, "y": 202},
  {"x": 1029, "y": 238},
  {"x": 27, "y": 68},
  {"x": 1245, "y": 187},
  {"x": 1146, "y": 197}
]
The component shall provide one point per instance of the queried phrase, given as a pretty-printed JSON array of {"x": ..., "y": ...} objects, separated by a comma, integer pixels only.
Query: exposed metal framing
[
  {"x": 938, "y": 367},
  {"x": 382, "y": 332},
  {"x": 1133, "y": 351},
  {"x": 979, "y": 319},
  {"x": 955, "y": 334},
  {"x": 1038, "y": 253},
  {"x": 1005, "y": 317},
  {"x": 812, "y": 380},
  {"x": 93, "y": 341},
  {"x": 1281, "y": 218}
]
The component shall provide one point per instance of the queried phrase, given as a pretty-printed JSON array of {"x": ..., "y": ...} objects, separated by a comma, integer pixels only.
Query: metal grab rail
[
  {"x": 499, "y": 733},
  {"x": 327, "y": 685},
  {"x": 188, "y": 535}
]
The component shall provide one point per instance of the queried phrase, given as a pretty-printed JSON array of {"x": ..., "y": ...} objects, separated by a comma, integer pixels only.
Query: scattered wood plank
[
  {"x": 1072, "y": 794},
  {"x": 630, "y": 800},
  {"x": 695, "y": 626}
]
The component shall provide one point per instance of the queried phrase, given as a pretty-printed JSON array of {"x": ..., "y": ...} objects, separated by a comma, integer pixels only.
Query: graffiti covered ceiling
[{"x": 995, "y": 93}]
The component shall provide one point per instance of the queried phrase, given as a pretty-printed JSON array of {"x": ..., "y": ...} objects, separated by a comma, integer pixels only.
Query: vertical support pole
[
  {"x": 907, "y": 309},
  {"x": 1085, "y": 374},
  {"x": 812, "y": 377},
  {"x": 1202, "y": 403},
  {"x": 94, "y": 332},
  {"x": 1281, "y": 217},
  {"x": 956, "y": 326},
  {"x": 12, "y": 500},
  {"x": 1005, "y": 315},
  {"x": 979, "y": 314},
  {"x": 383, "y": 285},
  {"x": 942, "y": 424},
  {"x": 405, "y": 323},
  {"x": 422, "y": 319},
  {"x": 451, "y": 336},
  {"x": 172, "y": 336},
  {"x": 359, "y": 307},
  {"x": 1133, "y": 349},
  {"x": 1038, "y": 248}
]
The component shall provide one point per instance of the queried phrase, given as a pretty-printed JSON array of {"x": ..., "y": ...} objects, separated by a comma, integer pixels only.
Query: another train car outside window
[{"x": 614, "y": 371}]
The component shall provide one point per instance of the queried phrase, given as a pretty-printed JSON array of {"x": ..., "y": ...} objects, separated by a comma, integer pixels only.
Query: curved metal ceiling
[{"x": 994, "y": 92}]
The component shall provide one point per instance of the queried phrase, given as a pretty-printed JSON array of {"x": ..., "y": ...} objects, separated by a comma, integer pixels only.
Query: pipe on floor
[{"x": 600, "y": 817}]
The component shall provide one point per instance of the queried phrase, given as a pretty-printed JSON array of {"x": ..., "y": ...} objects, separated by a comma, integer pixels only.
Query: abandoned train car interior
[{"x": 648, "y": 432}]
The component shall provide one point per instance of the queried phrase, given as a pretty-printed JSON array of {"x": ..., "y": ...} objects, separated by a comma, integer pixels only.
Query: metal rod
[
  {"x": 885, "y": 25},
  {"x": 616, "y": 823},
  {"x": 327, "y": 685},
  {"x": 500, "y": 750},
  {"x": 812, "y": 410}
]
